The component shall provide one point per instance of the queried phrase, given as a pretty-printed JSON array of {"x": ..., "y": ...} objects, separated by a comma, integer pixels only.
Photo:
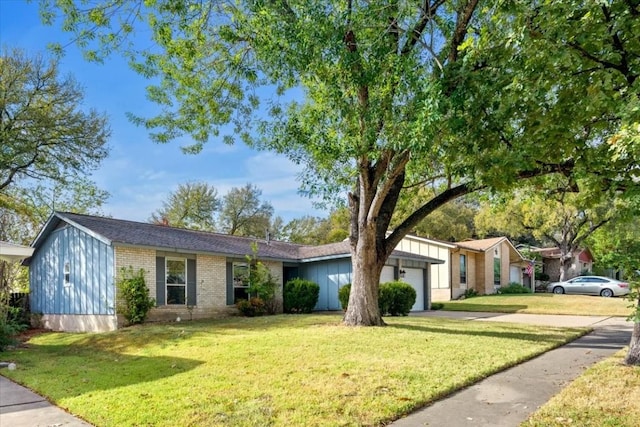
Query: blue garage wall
[
  {"x": 91, "y": 288},
  {"x": 330, "y": 275}
]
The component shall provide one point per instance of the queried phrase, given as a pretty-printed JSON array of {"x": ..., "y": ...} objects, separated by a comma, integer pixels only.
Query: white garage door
[{"x": 415, "y": 277}]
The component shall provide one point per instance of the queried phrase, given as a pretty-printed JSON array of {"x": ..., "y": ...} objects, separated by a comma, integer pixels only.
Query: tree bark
[
  {"x": 633, "y": 356},
  {"x": 367, "y": 265}
]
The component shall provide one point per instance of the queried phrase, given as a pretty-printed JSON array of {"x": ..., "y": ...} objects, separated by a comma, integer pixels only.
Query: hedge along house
[{"x": 191, "y": 274}]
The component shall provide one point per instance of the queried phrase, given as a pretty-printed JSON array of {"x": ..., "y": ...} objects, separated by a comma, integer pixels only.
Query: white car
[{"x": 590, "y": 285}]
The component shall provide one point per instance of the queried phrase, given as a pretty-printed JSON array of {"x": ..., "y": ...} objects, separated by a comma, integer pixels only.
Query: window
[
  {"x": 176, "y": 281},
  {"x": 496, "y": 271},
  {"x": 463, "y": 269},
  {"x": 240, "y": 281},
  {"x": 67, "y": 274}
]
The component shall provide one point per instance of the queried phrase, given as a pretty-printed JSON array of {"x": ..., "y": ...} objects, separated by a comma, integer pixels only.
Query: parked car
[{"x": 590, "y": 285}]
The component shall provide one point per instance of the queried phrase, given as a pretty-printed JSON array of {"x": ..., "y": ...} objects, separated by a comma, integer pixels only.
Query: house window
[
  {"x": 463, "y": 269},
  {"x": 176, "y": 281},
  {"x": 240, "y": 281},
  {"x": 67, "y": 274},
  {"x": 496, "y": 271}
]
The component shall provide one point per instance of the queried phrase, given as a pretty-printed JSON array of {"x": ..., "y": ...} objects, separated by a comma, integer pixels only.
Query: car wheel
[
  {"x": 558, "y": 290},
  {"x": 607, "y": 293}
]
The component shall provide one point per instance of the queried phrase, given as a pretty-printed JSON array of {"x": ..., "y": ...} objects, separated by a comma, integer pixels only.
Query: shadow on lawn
[
  {"x": 547, "y": 336},
  {"x": 71, "y": 370},
  {"x": 491, "y": 308}
]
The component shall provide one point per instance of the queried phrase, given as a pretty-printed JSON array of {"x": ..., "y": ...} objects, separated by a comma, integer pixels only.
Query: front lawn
[
  {"x": 607, "y": 394},
  {"x": 271, "y": 371},
  {"x": 544, "y": 304}
]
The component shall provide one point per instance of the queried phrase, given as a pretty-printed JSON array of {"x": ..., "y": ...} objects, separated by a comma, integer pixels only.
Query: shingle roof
[{"x": 134, "y": 233}]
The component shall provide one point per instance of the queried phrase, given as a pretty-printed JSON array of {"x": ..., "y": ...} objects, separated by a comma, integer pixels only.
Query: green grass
[
  {"x": 544, "y": 304},
  {"x": 271, "y": 371},
  {"x": 606, "y": 395}
]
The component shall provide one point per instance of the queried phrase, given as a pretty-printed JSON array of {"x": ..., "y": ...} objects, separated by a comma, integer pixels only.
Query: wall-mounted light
[{"x": 401, "y": 273}]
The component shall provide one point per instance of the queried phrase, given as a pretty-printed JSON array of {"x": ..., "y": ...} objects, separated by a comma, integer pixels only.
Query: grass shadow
[
  {"x": 491, "y": 308},
  {"x": 76, "y": 369},
  {"x": 551, "y": 336}
]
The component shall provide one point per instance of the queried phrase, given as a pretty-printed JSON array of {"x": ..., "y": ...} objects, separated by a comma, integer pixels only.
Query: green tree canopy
[
  {"x": 45, "y": 132},
  {"x": 554, "y": 212},
  {"x": 244, "y": 214},
  {"x": 192, "y": 205},
  {"x": 473, "y": 94}
]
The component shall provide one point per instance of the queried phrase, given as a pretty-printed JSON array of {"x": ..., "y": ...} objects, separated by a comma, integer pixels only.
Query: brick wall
[{"x": 211, "y": 277}]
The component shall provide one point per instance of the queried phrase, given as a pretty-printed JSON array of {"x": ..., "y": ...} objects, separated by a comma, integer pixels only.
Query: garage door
[{"x": 415, "y": 277}]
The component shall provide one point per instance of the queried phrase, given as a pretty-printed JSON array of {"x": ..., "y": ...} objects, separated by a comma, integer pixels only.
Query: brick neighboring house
[
  {"x": 191, "y": 274},
  {"x": 582, "y": 261}
]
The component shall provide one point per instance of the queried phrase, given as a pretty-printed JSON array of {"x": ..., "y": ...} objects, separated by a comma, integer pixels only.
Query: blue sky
[{"x": 139, "y": 174}]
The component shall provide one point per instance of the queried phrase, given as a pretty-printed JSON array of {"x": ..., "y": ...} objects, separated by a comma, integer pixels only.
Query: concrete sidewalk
[
  {"x": 507, "y": 398},
  {"x": 20, "y": 407}
]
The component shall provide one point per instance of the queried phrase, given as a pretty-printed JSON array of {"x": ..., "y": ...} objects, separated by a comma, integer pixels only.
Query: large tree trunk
[
  {"x": 367, "y": 265},
  {"x": 633, "y": 356},
  {"x": 566, "y": 259}
]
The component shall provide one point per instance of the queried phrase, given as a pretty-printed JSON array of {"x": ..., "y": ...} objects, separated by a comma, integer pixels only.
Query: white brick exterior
[{"x": 211, "y": 283}]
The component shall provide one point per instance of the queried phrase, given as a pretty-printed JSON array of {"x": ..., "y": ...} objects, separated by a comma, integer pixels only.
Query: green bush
[
  {"x": 300, "y": 296},
  {"x": 514, "y": 288},
  {"x": 251, "y": 308},
  {"x": 343, "y": 295},
  {"x": 396, "y": 298},
  {"x": 437, "y": 306},
  {"x": 134, "y": 302},
  {"x": 10, "y": 326},
  {"x": 470, "y": 293}
]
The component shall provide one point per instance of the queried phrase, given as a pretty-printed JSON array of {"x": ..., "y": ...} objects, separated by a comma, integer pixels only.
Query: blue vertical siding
[
  {"x": 91, "y": 289},
  {"x": 330, "y": 276}
]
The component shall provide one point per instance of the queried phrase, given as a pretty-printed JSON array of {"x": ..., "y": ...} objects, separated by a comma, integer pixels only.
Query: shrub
[
  {"x": 437, "y": 306},
  {"x": 134, "y": 302},
  {"x": 343, "y": 295},
  {"x": 10, "y": 326},
  {"x": 262, "y": 284},
  {"x": 514, "y": 288},
  {"x": 251, "y": 308},
  {"x": 396, "y": 298},
  {"x": 300, "y": 296},
  {"x": 470, "y": 293}
]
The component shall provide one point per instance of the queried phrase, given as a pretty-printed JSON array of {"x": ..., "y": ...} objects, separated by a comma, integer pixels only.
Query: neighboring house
[
  {"x": 191, "y": 274},
  {"x": 482, "y": 265},
  {"x": 582, "y": 261},
  {"x": 485, "y": 265}
]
